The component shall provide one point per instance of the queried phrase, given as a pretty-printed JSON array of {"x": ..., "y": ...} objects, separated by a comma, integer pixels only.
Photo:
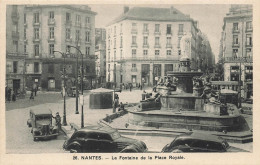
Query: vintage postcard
[{"x": 152, "y": 82}]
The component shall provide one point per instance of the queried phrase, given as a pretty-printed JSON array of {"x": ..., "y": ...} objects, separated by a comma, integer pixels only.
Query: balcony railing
[
  {"x": 78, "y": 24},
  {"x": 157, "y": 46},
  {"x": 36, "y": 23},
  {"x": 134, "y": 45},
  {"x": 15, "y": 16},
  {"x": 68, "y": 40},
  {"x": 145, "y": 45},
  {"x": 36, "y": 39},
  {"x": 148, "y": 58},
  {"x": 249, "y": 30},
  {"x": 248, "y": 44},
  {"x": 145, "y": 32},
  {"x": 134, "y": 69},
  {"x": 15, "y": 35},
  {"x": 238, "y": 59},
  {"x": 68, "y": 23},
  {"x": 235, "y": 44},
  {"x": 235, "y": 30},
  {"x": 51, "y": 21},
  {"x": 88, "y": 26},
  {"x": 180, "y": 32},
  {"x": 134, "y": 31},
  {"x": 157, "y": 33},
  {"x": 51, "y": 39},
  {"x": 168, "y": 45}
]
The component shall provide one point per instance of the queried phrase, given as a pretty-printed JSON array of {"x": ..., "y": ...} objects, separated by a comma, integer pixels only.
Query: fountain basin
[{"x": 187, "y": 120}]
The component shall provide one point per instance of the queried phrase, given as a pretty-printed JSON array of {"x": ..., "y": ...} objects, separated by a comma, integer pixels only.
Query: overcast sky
[{"x": 209, "y": 17}]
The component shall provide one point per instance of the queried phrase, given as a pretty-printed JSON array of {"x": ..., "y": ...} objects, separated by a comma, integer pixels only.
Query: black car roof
[
  {"x": 201, "y": 136},
  {"x": 41, "y": 111},
  {"x": 97, "y": 128}
]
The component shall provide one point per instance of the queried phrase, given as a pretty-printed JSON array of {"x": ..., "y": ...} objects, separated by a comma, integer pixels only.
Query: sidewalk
[{"x": 93, "y": 116}]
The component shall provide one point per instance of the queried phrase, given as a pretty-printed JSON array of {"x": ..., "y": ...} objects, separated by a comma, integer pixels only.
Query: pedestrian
[
  {"x": 143, "y": 95},
  {"x": 58, "y": 121},
  {"x": 130, "y": 87},
  {"x": 9, "y": 95},
  {"x": 35, "y": 90},
  {"x": 13, "y": 96},
  {"x": 31, "y": 97},
  {"x": 121, "y": 107},
  {"x": 6, "y": 93},
  {"x": 141, "y": 87}
]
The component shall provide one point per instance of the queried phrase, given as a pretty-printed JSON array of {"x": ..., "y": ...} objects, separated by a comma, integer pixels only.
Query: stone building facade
[
  {"x": 100, "y": 52},
  {"x": 144, "y": 43},
  {"x": 49, "y": 28},
  {"x": 15, "y": 54},
  {"x": 237, "y": 47}
]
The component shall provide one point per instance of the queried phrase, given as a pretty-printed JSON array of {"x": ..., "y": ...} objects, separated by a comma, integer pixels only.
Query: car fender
[
  {"x": 73, "y": 144},
  {"x": 29, "y": 123},
  {"x": 131, "y": 148}
]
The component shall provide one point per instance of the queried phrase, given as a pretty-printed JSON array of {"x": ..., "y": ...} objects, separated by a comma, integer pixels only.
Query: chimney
[
  {"x": 171, "y": 10},
  {"x": 126, "y": 9}
]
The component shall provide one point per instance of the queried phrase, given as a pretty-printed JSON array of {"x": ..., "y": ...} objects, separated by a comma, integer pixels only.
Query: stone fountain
[{"x": 187, "y": 103}]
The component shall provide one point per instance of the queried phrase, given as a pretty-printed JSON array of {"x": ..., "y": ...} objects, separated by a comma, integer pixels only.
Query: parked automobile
[
  {"x": 41, "y": 122},
  {"x": 199, "y": 142},
  {"x": 102, "y": 139},
  {"x": 71, "y": 92}
]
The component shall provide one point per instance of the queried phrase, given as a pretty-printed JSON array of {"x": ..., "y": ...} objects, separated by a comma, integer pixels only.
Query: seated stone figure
[
  {"x": 152, "y": 103},
  {"x": 209, "y": 95}
]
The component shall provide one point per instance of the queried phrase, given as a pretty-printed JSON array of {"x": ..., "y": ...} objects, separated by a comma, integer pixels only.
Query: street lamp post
[
  {"x": 64, "y": 88},
  {"x": 82, "y": 107}
]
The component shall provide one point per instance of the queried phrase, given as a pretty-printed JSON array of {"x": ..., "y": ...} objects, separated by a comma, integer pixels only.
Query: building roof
[{"x": 152, "y": 14}]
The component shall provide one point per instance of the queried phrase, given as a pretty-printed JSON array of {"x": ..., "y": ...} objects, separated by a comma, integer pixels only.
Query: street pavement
[{"x": 20, "y": 140}]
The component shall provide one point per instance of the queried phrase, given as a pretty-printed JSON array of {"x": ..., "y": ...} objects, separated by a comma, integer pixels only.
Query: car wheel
[
  {"x": 177, "y": 151},
  {"x": 75, "y": 149},
  {"x": 35, "y": 139},
  {"x": 129, "y": 151}
]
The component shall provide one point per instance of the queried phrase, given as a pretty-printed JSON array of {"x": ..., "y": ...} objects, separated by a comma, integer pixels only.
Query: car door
[
  {"x": 199, "y": 146},
  {"x": 106, "y": 143},
  {"x": 91, "y": 142}
]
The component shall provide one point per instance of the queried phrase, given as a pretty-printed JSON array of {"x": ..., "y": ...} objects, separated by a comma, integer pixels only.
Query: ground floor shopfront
[{"x": 136, "y": 72}]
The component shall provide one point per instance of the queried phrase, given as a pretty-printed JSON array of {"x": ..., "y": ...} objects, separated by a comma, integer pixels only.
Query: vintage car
[
  {"x": 71, "y": 92},
  {"x": 199, "y": 142},
  {"x": 102, "y": 139},
  {"x": 41, "y": 123}
]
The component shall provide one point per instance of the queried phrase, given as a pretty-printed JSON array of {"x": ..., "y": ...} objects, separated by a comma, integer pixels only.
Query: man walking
[{"x": 58, "y": 121}]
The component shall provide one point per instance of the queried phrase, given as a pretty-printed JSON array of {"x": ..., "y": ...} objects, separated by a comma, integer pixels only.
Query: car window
[
  {"x": 103, "y": 136},
  {"x": 199, "y": 144},
  {"x": 43, "y": 117},
  {"x": 81, "y": 135},
  {"x": 93, "y": 135},
  {"x": 179, "y": 142},
  {"x": 215, "y": 146}
]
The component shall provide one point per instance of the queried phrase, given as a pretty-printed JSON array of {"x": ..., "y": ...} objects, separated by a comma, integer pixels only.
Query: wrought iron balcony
[
  {"x": 15, "y": 35},
  {"x": 157, "y": 33},
  {"x": 168, "y": 45},
  {"x": 15, "y": 16},
  {"x": 146, "y": 45},
  {"x": 234, "y": 30},
  {"x": 51, "y": 21},
  {"x": 145, "y": 32},
  {"x": 134, "y": 31},
  {"x": 235, "y": 44},
  {"x": 238, "y": 59}
]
